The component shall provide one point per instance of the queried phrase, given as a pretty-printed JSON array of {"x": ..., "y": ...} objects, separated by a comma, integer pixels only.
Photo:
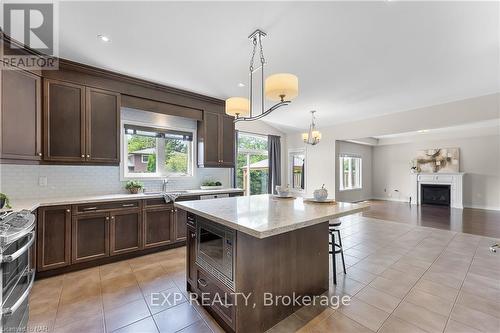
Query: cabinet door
[
  {"x": 158, "y": 226},
  {"x": 226, "y": 139},
  {"x": 103, "y": 126},
  {"x": 211, "y": 139},
  {"x": 64, "y": 121},
  {"x": 180, "y": 224},
  {"x": 191, "y": 256},
  {"x": 125, "y": 231},
  {"x": 53, "y": 237},
  {"x": 90, "y": 237},
  {"x": 21, "y": 115}
]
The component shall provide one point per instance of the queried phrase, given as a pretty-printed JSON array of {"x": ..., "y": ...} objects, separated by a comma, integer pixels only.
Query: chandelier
[
  {"x": 313, "y": 136},
  {"x": 281, "y": 87}
]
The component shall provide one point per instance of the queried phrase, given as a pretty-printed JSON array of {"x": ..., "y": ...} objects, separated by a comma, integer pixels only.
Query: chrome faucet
[{"x": 164, "y": 188}]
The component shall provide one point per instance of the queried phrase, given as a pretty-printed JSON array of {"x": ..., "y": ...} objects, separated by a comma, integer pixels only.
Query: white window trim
[
  {"x": 289, "y": 171},
  {"x": 142, "y": 158},
  {"x": 155, "y": 176},
  {"x": 341, "y": 173}
]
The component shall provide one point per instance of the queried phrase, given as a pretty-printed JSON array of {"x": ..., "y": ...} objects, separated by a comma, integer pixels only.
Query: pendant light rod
[{"x": 278, "y": 87}]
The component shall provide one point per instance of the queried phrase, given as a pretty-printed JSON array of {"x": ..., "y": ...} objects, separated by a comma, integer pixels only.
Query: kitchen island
[{"x": 247, "y": 256}]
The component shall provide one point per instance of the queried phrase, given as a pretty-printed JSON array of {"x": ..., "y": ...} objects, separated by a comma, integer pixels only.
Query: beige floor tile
[
  {"x": 126, "y": 314},
  {"x": 425, "y": 319},
  {"x": 365, "y": 314},
  {"x": 176, "y": 318},
  {"x": 437, "y": 289},
  {"x": 478, "y": 303},
  {"x": 159, "y": 301},
  {"x": 114, "y": 270},
  {"x": 360, "y": 275},
  {"x": 345, "y": 286},
  {"x": 430, "y": 302},
  {"x": 314, "y": 313},
  {"x": 378, "y": 299},
  {"x": 120, "y": 297},
  {"x": 447, "y": 279},
  {"x": 337, "y": 322},
  {"x": 395, "y": 288},
  {"x": 476, "y": 319},
  {"x": 399, "y": 276},
  {"x": 396, "y": 325},
  {"x": 408, "y": 268},
  {"x": 198, "y": 327},
  {"x": 94, "y": 326},
  {"x": 290, "y": 324},
  {"x": 82, "y": 310},
  {"x": 456, "y": 327},
  {"x": 146, "y": 325}
]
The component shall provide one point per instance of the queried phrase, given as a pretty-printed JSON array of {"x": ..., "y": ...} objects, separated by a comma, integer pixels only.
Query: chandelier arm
[{"x": 274, "y": 107}]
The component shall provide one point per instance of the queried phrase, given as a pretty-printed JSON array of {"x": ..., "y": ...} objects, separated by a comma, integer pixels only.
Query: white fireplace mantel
[{"x": 455, "y": 180}]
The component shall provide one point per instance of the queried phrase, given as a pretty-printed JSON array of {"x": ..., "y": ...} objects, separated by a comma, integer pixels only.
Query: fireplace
[{"x": 434, "y": 194}]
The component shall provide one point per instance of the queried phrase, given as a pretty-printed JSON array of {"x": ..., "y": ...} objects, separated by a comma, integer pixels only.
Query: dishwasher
[{"x": 214, "y": 196}]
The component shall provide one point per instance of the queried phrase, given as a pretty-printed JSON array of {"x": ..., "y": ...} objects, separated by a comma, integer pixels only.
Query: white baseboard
[
  {"x": 465, "y": 206},
  {"x": 391, "y": 199}
]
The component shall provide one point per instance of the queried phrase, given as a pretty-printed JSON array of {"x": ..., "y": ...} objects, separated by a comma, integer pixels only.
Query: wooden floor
[{"x": 472, "y": 221}]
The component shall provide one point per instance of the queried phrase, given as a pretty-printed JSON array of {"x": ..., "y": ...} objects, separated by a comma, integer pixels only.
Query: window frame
[
  {"x": 351, "y": 157},
  {"x": 291, "y": 153},
  {"x": 249, "y": 152},
  {"x": 160, "y": 174}
]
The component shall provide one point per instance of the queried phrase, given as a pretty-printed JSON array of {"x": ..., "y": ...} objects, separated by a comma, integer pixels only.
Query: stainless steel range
[{"x": 17, "y": 235}]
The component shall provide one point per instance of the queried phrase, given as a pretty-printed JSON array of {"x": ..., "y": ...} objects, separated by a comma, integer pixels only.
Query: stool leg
[
  {"x": 341, "y": 251},
  {"x": 334, "y": 264}
]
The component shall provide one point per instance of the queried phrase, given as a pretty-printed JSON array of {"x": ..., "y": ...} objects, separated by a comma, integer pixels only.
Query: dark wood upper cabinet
[
  {"x": 64, "y": 121},
  {"x": 53, "y": 237},
  {"x": 90, "y": 239},
  {"x": 216, "y": 140},
  {"x": 103, "y": 126},
  {"x": 125, "y": 231},
  {"x": 21, "y": 128},
  {"x": 81, "y": 124}
]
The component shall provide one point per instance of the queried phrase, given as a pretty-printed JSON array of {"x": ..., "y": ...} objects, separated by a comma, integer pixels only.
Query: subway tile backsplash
[{"x": 27, "y": 181}]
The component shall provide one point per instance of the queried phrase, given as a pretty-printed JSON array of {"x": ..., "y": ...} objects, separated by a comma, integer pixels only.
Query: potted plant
[
  {"x": 211, "y": 185},
  {"x": 4, "y": 201},
  {"x": 133, "y": 186}
]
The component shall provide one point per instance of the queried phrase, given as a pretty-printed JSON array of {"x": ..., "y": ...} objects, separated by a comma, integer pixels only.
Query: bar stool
[{"x": 336, "y": 248}]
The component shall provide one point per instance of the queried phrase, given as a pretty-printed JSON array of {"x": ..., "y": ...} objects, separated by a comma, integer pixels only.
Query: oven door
[
  {"x": 15, "y": 261},
  {"x": 15, "y": 309},
  {"x": 214, "y": 247}
]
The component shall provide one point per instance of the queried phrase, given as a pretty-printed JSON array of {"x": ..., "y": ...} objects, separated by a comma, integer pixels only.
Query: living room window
[
  {"x": 252, "y": 166},
  {"x": 350, "y": 176},
  {"x": 157, "y": 152}
]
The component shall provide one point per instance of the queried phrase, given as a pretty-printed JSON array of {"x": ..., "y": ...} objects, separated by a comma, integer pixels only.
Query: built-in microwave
[{"x": 215, "y": 250}]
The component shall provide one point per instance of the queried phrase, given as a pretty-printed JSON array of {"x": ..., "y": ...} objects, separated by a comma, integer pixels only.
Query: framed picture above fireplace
[{"x": 438, "y": 160}]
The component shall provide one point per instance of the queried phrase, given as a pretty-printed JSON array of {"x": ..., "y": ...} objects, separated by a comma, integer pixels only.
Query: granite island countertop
[
  {"x": 32, "y": 204},
  {"x": 264, "y": 215}
]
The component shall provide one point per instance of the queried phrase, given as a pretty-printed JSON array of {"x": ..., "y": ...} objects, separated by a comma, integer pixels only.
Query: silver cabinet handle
[
  {"x": 10, "y": 310},
  {"x": 89, "y": 208},
  {"x": 21, "y": 251},
  {"x": 128, "y": 205},
  {"x": 202, "y": 282},
  {"x": 39, "y": 154},
  {"x": 193, "y": 235},
  {"x": 83, "y": 156},
  {"x": 107, "y": 218},
  {"x": 68, "y": 211},
  {"x": 88, "y": 156}
]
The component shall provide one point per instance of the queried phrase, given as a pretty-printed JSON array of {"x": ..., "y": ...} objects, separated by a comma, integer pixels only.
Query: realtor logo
[{"x": 30, "y": 25}]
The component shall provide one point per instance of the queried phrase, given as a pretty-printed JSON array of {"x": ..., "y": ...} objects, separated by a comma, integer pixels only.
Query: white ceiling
[{"x": 354, "y": 60}]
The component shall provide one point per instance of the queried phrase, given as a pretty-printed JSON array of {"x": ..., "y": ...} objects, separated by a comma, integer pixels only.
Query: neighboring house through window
[{"x": 350, "y": 175}]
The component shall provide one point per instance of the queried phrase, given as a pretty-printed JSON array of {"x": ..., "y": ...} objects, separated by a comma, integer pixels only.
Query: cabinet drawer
[
  {"x": 220, "y": 299},
  {"x": 104, "y": 206}
]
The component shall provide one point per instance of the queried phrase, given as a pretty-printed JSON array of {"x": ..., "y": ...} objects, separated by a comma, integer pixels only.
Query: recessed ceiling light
[
  {"x": 104, "y": 38},
  {"x": 423, "y": 131},
  {"x": 241, "y": 85}
]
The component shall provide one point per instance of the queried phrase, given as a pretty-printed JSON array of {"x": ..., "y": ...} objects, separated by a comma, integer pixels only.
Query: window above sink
[{"x": 152, "y": 152}]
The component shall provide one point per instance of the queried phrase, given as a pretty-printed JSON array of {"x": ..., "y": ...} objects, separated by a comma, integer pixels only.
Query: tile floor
[{"x": 401, "y": 278}]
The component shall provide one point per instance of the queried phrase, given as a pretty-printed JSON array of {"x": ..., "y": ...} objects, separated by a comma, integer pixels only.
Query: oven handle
[
  {"x": 10, "y": 310},
  {"x": 18, "y": 253}
]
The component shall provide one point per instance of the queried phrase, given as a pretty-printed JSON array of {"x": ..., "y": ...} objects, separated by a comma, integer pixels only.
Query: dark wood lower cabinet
[
  {"x": 90, "y": 237},
  {"x": 158, "y": 226},
  {"x": 191, "y": 255},
  {"x": 125, "y": 231},
  {"x": 180, "y": 224},
  {"x": 53, "y": 237}
]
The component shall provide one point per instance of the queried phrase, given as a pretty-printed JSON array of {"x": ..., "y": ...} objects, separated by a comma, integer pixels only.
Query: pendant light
[{"x": 313, "y": 136}]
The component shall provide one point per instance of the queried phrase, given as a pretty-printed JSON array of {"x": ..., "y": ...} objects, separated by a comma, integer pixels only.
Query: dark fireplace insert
[{"x": 435, "y": 194}]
